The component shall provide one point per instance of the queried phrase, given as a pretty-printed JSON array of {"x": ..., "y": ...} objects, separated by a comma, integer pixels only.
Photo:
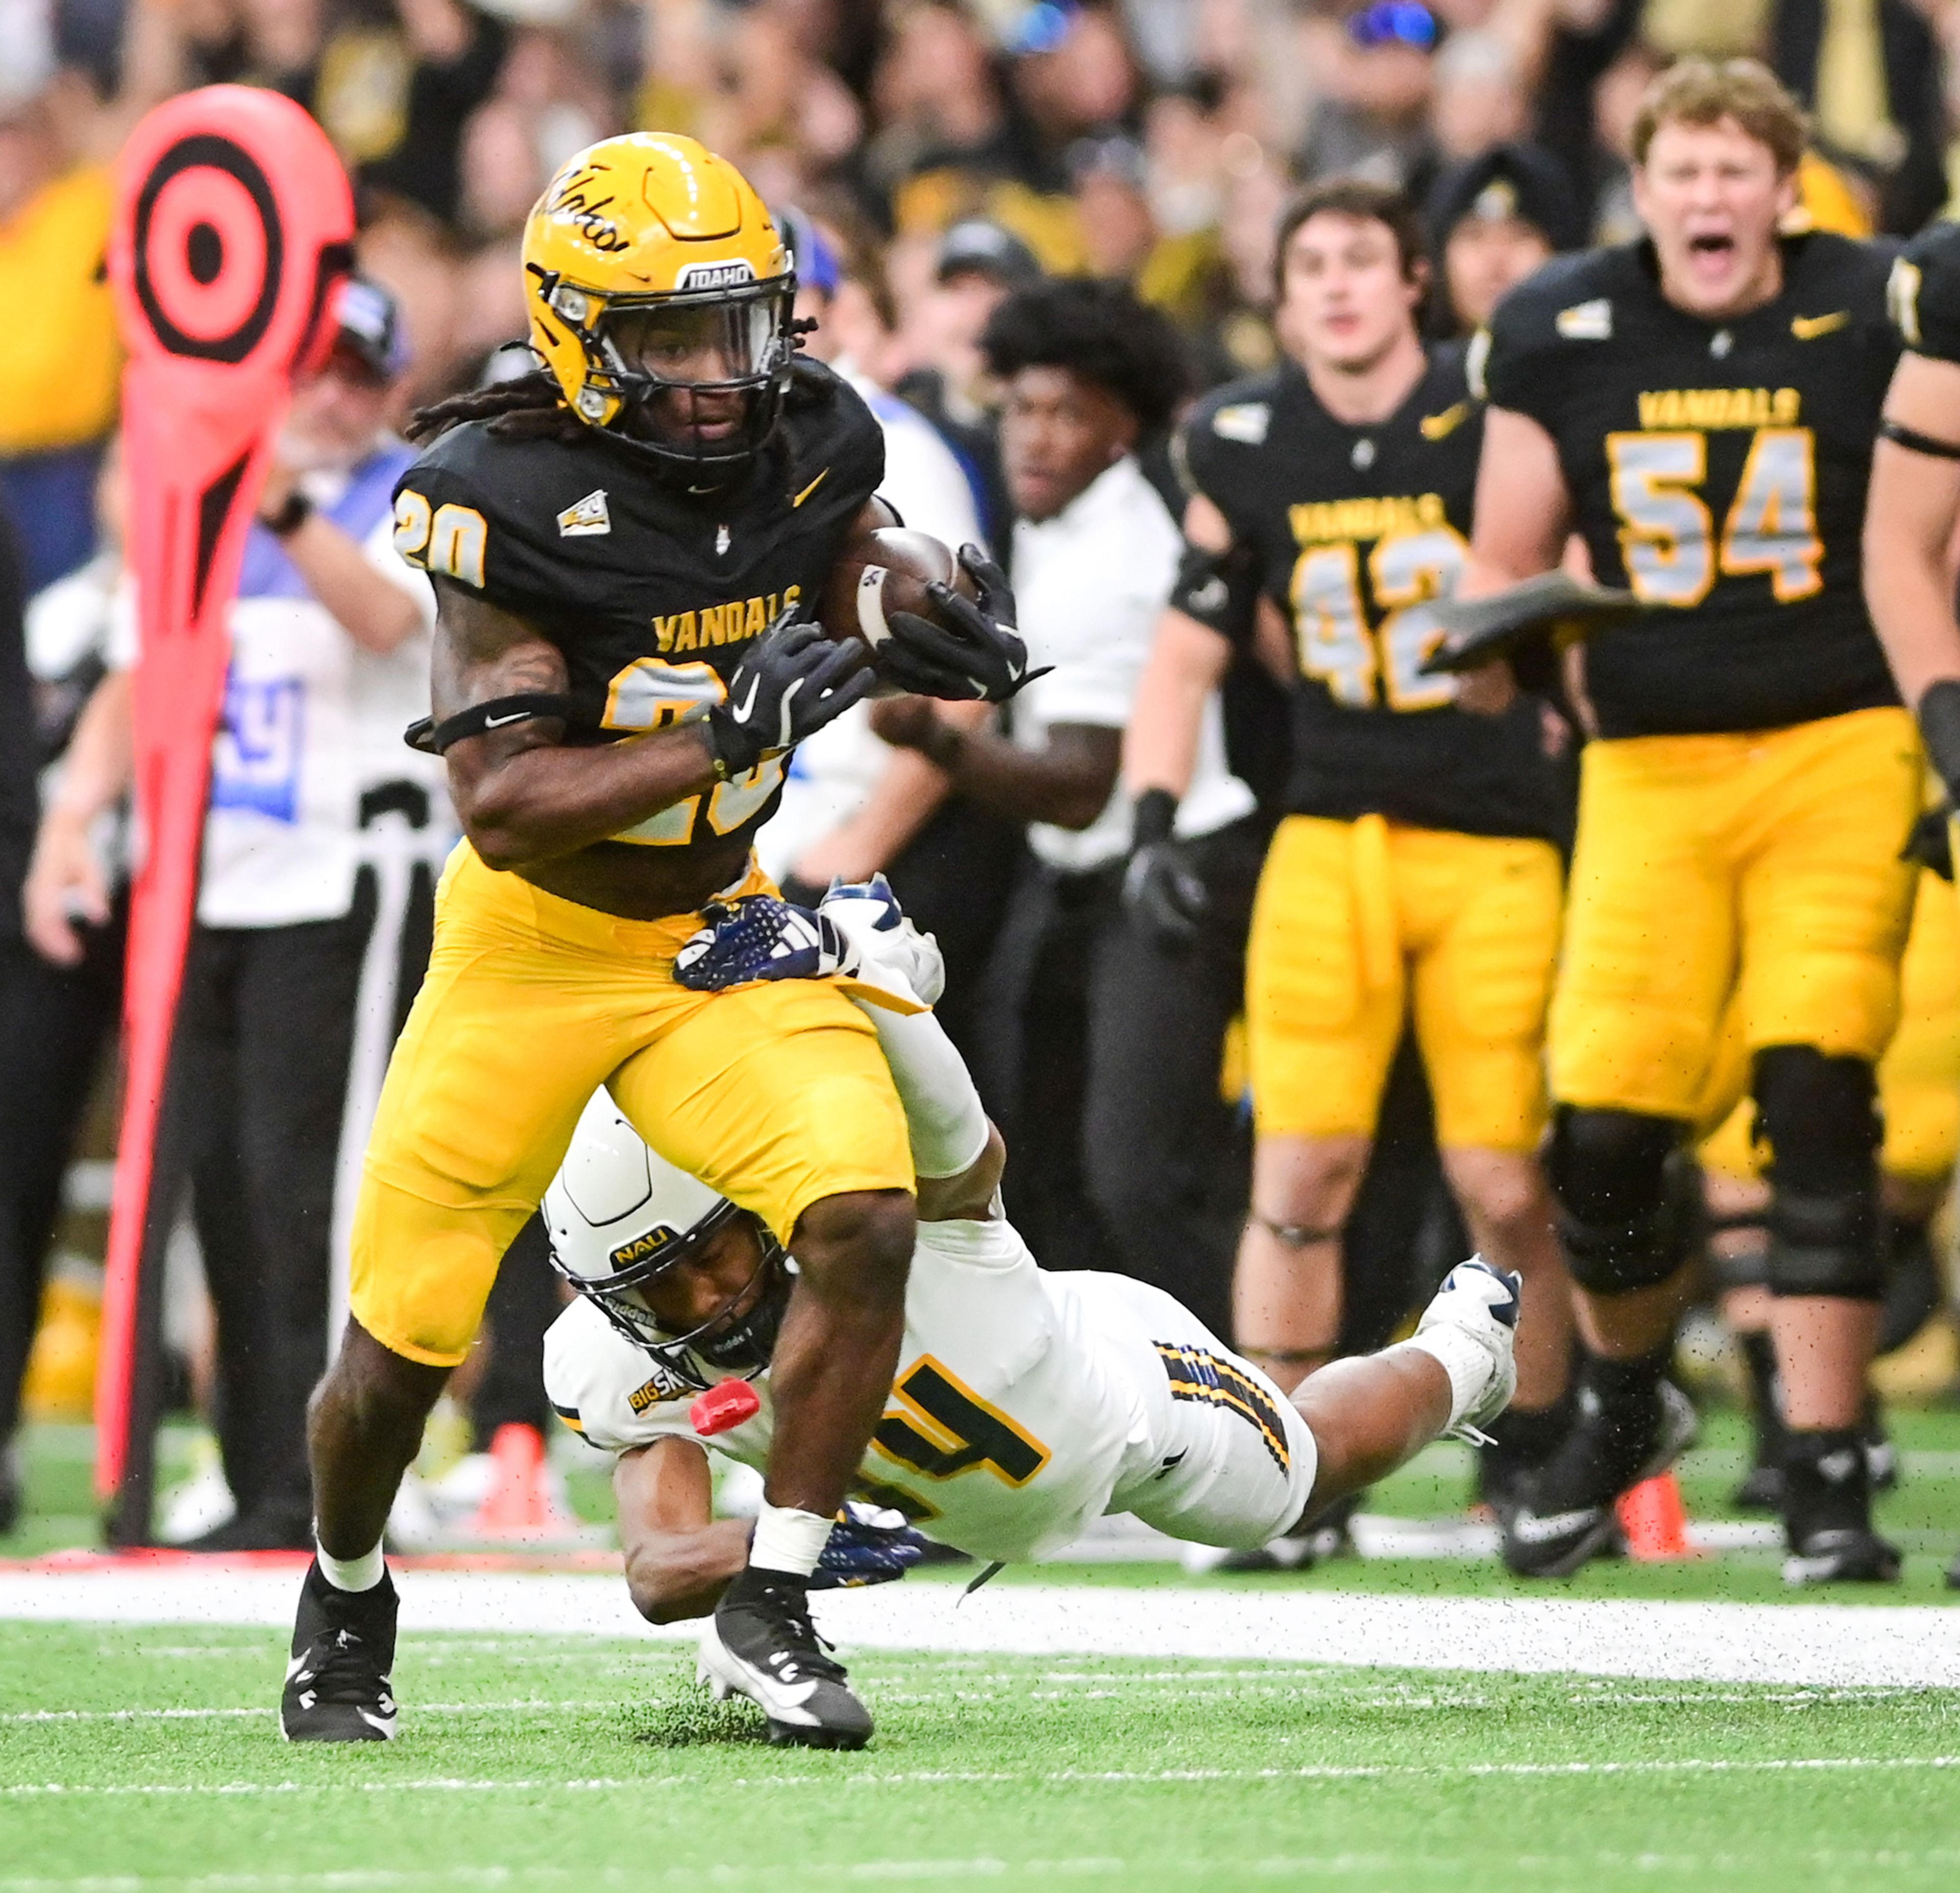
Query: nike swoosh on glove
[
  {"x": 789, "y": 683},
  {"x": 969, "y": 651}
]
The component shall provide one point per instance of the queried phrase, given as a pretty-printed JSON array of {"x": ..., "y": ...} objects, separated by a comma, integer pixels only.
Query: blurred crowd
[{"x": 930, "y": 159}]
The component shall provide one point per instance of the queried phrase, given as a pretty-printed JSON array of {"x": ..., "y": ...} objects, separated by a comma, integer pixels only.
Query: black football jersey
[
  {"x": 1354, "y": 532},
  {"x": 1717, "y": 469},
  {"x": 1925, "y": 293},
  {"x": 651, "y": 591}
]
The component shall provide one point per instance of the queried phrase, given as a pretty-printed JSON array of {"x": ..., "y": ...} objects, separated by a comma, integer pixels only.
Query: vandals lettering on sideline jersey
[
  {"x": 1714, "y": 407},
  {"x": 1321, "y": 522},
  {"x": 717, "y": 624}
]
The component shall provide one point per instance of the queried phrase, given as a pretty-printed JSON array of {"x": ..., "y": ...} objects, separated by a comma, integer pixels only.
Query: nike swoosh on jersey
[
  {"x": 1808, "y": 328},
  {"x": 811, "y": 488},
  {"x": 1436, "y": 427}
]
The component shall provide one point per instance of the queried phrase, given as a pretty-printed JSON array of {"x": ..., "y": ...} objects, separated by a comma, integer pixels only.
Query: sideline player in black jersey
[
  {"x": 617, "y": 544},
  {"x": 1417, "y": 864},
  {"x": 1699, "y": 406}
]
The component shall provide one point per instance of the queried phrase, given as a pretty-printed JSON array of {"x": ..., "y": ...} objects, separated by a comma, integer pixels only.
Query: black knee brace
[
  {"x": 1616, "y": 1218},
  {"x": 1818, "y": 1115}
]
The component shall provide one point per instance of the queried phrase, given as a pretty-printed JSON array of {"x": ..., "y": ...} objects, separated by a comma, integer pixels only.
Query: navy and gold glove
[
  {"x": 868, "y": 1545},
  {"x": 969, "y": 651}
]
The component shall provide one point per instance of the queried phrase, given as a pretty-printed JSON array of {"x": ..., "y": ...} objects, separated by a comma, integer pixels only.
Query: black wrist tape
[
  {"x": 1940, "y": 724},
  {"x": 1155, "y": 817}
]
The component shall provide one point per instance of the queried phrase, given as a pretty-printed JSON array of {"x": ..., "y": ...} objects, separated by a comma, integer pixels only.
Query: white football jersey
[{"x": 1025, "y": 1404}]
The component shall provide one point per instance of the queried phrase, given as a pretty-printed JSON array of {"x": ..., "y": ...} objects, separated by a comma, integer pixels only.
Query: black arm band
[
  {"x": 1154, "y": 817},
  {"x": 501, "y": 712},
  {"x": 1919, "y": 443}
]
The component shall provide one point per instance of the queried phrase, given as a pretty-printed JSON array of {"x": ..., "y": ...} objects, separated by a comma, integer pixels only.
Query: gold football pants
[
  {"x": 1760, "y": 869},
  {"x": 775, "y": 1094},
  {"x": 1919, "y": 1076},
  {"x": 1354, "y": 922}
]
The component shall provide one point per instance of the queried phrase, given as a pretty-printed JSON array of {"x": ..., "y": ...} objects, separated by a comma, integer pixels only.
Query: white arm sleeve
[{"x": 943, "y": 1111}]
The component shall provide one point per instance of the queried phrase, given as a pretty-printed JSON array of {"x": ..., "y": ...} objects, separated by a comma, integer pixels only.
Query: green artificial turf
[{"x": 571, "y": 1763}]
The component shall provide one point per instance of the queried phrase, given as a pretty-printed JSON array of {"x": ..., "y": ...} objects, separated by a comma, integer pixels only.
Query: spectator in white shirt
[
  {"x": 1089, "y": 374},
  {"x": 853, "y": 806}
]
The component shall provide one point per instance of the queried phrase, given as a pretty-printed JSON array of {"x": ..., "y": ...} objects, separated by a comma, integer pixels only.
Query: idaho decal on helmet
[{"x": 661, "y": 298}]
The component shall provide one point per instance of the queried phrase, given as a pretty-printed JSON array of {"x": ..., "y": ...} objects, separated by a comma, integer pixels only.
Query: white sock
[
  {"x": 787, "y": 1540},
  {"x": 1466, "y": 1363},
  {"x": 351, "y": 1574}
]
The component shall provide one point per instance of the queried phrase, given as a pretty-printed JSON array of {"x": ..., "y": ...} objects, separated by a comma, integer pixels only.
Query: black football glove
[
  {"x": 971, "y": 650},
  {"x": 791, "y": 682},
  {"x": 1939, "y": 725},
  {"x": 1931, "y": 842},
  {"x": 867, "y": 1545},
  {"x": 1160, "y": 887}
]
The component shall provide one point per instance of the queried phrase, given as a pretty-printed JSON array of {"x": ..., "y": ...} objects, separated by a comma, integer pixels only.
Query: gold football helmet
[{"x": 661, "y": 296}]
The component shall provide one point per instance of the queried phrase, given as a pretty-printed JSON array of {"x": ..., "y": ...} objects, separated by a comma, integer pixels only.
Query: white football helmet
[{"x": 618, "y": 1214}]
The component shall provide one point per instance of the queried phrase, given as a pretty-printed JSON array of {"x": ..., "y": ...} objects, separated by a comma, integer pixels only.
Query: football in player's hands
[{"x": 884, "y": 571}]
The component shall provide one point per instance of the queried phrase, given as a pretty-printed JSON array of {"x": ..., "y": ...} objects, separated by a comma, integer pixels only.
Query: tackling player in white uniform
[{"x": 1026, "y": 1403}]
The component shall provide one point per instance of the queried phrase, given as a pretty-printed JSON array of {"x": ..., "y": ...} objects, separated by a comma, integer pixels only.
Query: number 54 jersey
[
  {"x": 1025, "y": 1404},
  {"x": 1718, "y": 469}
]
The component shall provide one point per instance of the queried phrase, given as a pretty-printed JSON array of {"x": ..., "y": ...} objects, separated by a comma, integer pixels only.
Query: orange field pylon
[
  {"x": 1655, "y": 1521},
  {"x": 518, "y": 1504}
]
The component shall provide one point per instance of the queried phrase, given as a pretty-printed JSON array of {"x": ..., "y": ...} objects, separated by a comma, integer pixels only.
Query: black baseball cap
[
  {"x": 1517, "y": 179},
  {"x": 989, "y": 250}
]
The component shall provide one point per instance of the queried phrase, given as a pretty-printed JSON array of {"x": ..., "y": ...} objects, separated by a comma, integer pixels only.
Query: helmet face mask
[
  {"x": 662, "y": 300},
  {"x": 699, "y": 378},
  {"x": 740, "y": 1342}
]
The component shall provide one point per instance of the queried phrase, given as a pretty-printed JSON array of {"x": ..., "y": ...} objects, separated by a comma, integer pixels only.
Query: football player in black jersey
[
  {"x": 1699, "y": 406},
  {"x": 1416, "y": 866},
  {"x": 619, "y": 544}
]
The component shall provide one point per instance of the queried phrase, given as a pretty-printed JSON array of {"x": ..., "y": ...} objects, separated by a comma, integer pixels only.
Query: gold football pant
[
  {"x": 1354, "y": 921},
  {"x": 776, "y": 1093},
  {"x": 1762, "y": 867},
  {"x": 1919, "y": 1076}
]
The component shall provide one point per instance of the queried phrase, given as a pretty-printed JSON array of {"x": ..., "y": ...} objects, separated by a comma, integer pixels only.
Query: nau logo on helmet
[
  {"x": 641, "y": 1246},
  {"x": 714, "y": 275}
]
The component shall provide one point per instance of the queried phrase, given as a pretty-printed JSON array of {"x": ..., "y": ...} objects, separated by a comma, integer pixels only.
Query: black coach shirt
[
  {"x": 1718, "y": 469},
  {"x": 651, "y": 591},
  {"x": 1354, "y": 532}
]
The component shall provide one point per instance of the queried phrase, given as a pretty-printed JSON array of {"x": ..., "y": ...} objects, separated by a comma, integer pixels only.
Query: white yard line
[
  {"x": 831, "y": 1782},
  {"x": 1813, "y": 1643}
]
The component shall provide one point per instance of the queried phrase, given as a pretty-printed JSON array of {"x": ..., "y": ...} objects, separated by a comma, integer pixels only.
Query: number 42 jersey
[{"x": 1718, "y": 469}]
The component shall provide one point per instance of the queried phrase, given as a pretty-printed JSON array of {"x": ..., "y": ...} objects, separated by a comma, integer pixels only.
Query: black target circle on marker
[{"x": 216, "y": 250}]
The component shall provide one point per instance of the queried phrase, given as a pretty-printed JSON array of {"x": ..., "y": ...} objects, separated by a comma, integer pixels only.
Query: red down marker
[{"x": 723, "y": 1406}]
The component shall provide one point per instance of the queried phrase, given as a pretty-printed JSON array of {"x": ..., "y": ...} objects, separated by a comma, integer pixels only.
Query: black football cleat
[
  {"x": 760, "y": 1643},
  {"x": 1565, "y": 1514},
  {"x": 343, "y": 1648},
  {"x": 1828, "y": 1512}
]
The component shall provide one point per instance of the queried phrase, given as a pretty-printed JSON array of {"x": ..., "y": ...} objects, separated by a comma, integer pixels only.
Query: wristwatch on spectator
[{"x": 290, "y": 517}]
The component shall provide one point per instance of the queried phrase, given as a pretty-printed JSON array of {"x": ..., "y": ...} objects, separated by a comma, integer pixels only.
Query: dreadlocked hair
[{"x": 529, "y": 408}]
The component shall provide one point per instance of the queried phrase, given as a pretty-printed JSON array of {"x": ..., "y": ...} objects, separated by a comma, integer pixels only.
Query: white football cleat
[
  {"x": 1480, "y": 1304},
  {"x": 890, "y": 951}
]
